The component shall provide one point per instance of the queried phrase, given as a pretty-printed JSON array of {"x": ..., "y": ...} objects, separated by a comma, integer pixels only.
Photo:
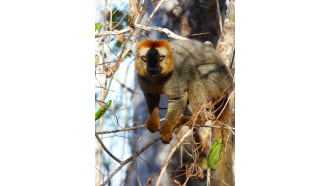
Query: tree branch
[
  {"x": 168, "y": 32},
  {"x": 155, "y": 10},
  {"x": 106, "y": 150},
  {"x": 117, "y": 32},
  {"x": 136, "y": 170},
  {"x": 119, "y": 130},
  {"x": 219, "y": 13},
  {"x": 124, "y": 85},
  {"x": 171, "y": 154},
  {"x": 125, "y": 129},
  {"x": 218, "y": 127},
  {"x": 123, "y": 163}
]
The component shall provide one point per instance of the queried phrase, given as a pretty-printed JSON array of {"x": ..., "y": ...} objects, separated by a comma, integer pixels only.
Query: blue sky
[{"x": 116, "y": 144}]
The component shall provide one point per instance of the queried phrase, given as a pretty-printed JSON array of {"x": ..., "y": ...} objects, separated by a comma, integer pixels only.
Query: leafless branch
[
  {"x": 125, "y": 129},
  {"x": 208, "y": 178},
  {"x": 121, "y": 20},
  {"x": 106, "y": 150},
  {"x": 123, "y": 163},
  {"x": 219, "y": 13},
  {"x": 171, "y": 154},
  {"x": 153, "y": 13},
  {"x": 219, "y": 127},
  {"x": 136, "y": 170},
  {"x": 223, "y": 108},
  {"x": 123, "y": 85},
  {"x": 168, "y": 32},
  {"x": 120, "y": 130},
  {"x": 143, "y": 12},
  {"x": 200, "y": 34},
  {"x": 117, "y": 32}
]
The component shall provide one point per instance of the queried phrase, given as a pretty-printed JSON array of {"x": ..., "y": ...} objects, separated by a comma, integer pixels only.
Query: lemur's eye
[
  {"x": 161, "y": 57},
  {"x": 144, "y": 58}
]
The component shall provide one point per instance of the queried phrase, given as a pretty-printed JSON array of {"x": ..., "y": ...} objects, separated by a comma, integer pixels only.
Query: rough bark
[{"x": 225, "y": 48}]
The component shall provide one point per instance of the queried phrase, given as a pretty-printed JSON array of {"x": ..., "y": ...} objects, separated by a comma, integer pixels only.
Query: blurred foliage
[{"x": 117, "y": 15}]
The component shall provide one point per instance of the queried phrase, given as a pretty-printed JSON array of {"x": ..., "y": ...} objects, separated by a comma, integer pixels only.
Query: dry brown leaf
[{"x": 120, "y": 37}]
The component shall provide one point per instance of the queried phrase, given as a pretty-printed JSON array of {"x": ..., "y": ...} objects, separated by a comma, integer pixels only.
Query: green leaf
[
  {"x": 98, "y": 26},
  {"x": 214, "y": 155},
  {"x": 102, "y": 110}
]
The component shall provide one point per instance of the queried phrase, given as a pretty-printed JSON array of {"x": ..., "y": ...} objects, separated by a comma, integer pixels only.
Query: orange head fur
[{"x": 162, "y": 47}]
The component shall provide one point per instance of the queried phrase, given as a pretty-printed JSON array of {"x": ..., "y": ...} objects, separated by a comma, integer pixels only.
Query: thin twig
[
  {"x": 123, "y": 163},
  {"x": 171, "y": 154},
  {"x": 117, "y": 32},
  {"x": 125, "y": 129},
  {"x": 120, "y": 130},
  {"x": 110, "y": 19},
  {"x": 225, "y": 150},
  {"x": 199, "y": 34},
  {"x": 219, "y": 127},
  {"x": 124, "y": 85},
  {"x": 121, "y": 20},
  {"x": 168, "y": 32},
  {"x": 144, "y": 11},
  {"x": 208, "y": 179},
  {"x": 220, "y": 19},
  {"x": 227, "y": 101},
  {"x": 153, "y": 13},
  {"x": 106, "y": 150},
  {"x": 232, "y": 64},
  {"x": 136, "y": 170},
  {"x": 126, "y": 120}
]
